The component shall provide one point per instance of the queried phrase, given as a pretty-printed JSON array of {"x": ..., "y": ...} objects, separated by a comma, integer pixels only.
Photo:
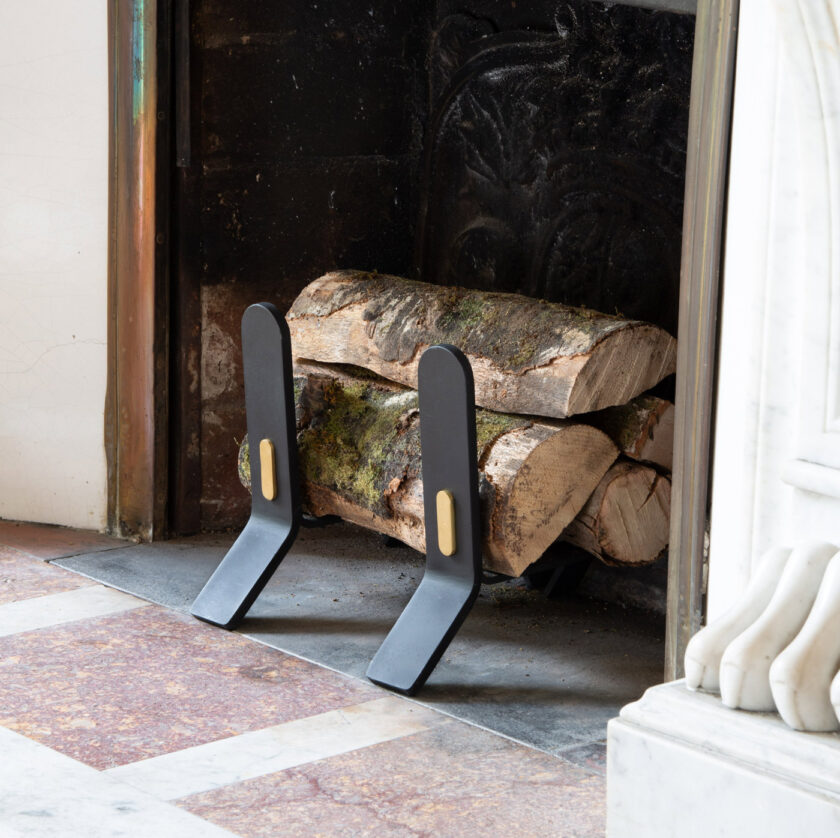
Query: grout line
[
  {"x": 25, "y": 553},
  {"x": 18, "y": 551},
  {"x": 257, "y": 753},
  {"x": 81, "y": 551},
  {"x": 51, "y": 559},
  {"x": 118, "y": 587},
  {"x": 125, "y": 546},
  {"x": 66, "y": 607}
]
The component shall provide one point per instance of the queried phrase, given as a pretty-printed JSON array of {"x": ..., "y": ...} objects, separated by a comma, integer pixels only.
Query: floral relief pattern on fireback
[{"x": 556, "y": 159}]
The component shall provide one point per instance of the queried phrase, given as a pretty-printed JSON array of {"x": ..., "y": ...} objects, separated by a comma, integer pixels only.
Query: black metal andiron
[
  {"x": 275, "y": 487},
  {"x": 453, "y": 539}
]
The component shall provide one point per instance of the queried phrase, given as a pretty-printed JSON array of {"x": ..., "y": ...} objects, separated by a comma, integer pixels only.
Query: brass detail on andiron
[
  {"x": 268, "y": 470},
  {"x": 446, "y": 522}
]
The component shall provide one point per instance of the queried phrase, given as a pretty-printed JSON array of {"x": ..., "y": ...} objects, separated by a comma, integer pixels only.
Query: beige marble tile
[
  {"x": 45, "y": 794},
  {"x": 66, "y": 607}
]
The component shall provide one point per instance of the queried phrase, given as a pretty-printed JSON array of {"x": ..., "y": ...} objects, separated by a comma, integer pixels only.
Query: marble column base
[{"x": 681, "y": 765}]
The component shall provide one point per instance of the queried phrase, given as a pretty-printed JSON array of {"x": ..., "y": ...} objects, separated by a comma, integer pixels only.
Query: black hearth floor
[{"x": 549, "y": 673}]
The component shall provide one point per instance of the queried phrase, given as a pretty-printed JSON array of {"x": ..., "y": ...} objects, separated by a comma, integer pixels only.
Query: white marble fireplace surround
[{"x": 680, "y": 764}]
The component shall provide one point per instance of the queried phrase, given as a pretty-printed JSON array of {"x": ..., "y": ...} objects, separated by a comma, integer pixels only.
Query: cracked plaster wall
[{"x": 53, "y": 260}]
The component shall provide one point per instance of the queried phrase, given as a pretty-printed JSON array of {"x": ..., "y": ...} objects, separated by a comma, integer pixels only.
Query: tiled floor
[
  {"x": 121, "y": 718},
  {"x": 549, "y": 673}
]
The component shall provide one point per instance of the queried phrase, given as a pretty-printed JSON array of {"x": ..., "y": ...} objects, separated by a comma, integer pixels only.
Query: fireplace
[{"x": 536, "y": 148}]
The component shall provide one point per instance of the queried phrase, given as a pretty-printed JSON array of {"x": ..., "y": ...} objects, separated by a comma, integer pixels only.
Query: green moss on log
[
  {"x": 358, "y": 436},
  {"x": 625, "y": 423},
  {"x": 346, "y": 446},
  {"x": 489, "y": 426},
  {"x": 509, "y": 329},
  {"x": 243, "y": 463}
]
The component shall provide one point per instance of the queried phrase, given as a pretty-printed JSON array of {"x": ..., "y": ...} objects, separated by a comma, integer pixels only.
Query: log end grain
[
  {"x": 627, "y": 362},
  {"x": 542, "y": 477},
  {"x": 627, "y": 519},
  {"x": 637, "y": 529}
]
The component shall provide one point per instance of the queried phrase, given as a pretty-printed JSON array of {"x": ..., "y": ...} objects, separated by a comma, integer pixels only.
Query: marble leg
[
  {"x": 706, "y": 648},
  {"x": 800, "y": 677},
  {"x": 745, "y": 665}
]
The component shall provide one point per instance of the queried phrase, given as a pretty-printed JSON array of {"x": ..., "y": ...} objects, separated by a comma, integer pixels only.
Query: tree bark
[
  {"x": 528, "y": 356},
  {"x": 643, "y": 429},
  {"x": 627, "y": 519},
  {"x": 359, "y": 445}
]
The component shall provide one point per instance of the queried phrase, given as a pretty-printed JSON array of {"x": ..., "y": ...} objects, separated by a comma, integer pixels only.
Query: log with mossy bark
[
  {"x": 626, "y": 521},
  {"x": 528, "y": 356},
  {"x": 359, "y": 445},
  {"x": 643, "y": 429}
]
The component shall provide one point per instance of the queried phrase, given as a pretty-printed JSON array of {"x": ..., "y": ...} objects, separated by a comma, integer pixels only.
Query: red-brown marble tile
[
  {"x": 24, "y": 577},
  {"x": 454, "y": 780},
  {"x": 50, "y": 542},
  {"x": 116, "y": 689}
]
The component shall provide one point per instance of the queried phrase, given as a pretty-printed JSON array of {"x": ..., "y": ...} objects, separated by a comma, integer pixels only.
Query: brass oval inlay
[
  {"x": 268, "y": 469},
  {"x": 446, "y": 522}
]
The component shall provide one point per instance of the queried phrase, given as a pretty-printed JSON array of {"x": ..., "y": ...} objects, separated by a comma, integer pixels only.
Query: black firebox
[{"x": 529, "y": 146}]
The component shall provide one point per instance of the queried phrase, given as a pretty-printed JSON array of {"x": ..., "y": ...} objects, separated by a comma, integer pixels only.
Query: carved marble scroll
[{"x": 556, "y": 157}]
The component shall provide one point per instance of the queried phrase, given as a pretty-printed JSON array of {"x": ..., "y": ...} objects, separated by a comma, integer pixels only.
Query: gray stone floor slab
[{"x": 549, "y": 673}]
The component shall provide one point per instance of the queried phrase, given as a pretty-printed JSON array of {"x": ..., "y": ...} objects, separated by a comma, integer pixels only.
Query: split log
[
  {"x": 627, "y": 519},
  {"x": 359, "y": 444},
  {"x": 528, "y": 356},
  {"x": 643, "y": 429}
]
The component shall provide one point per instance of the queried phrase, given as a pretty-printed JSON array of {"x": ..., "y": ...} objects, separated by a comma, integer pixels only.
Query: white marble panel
[
  {"x": 681, "y": 765},
  {"x": 277, "y": 748},
  {"x": 57, "y": 609},
  {"x": 812, "y": 49},
  {"x": 779, "y": 385},
  {"x": 49, "y": 795},
  {"x": 759, "y": 368}
]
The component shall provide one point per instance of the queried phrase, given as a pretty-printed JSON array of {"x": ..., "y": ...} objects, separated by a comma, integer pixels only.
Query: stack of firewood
[{"x": 599, "y": 480}]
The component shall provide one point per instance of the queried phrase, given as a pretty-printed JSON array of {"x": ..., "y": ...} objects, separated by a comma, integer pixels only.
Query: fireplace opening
[
  {"x": 531, "y": 148},
  {"x": 490, "y": 145}
]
